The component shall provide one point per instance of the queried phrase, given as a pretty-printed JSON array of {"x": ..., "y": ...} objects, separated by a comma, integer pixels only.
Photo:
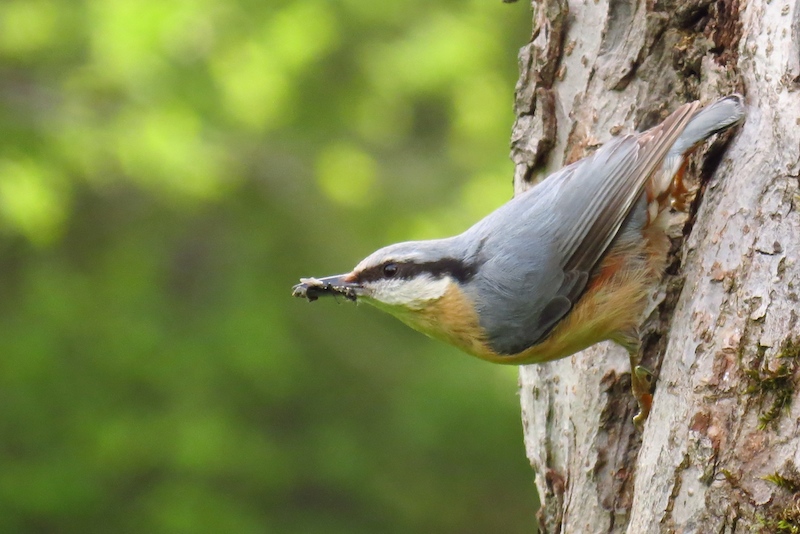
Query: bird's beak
[{"x": 313, "y": 288}]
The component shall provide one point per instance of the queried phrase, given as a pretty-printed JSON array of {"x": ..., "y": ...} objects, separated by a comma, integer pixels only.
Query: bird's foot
[{"x": 642, "y": 382}]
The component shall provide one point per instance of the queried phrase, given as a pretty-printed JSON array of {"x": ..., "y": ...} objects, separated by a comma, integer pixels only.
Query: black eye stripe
[{"x": 407, "y": 270}]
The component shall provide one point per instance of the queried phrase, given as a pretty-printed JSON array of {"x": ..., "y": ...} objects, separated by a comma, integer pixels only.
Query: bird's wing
[
  {"x": 595, "y": 195},
  {"x": 603, "y": 189},
  {"x": 609, "y": 184}
]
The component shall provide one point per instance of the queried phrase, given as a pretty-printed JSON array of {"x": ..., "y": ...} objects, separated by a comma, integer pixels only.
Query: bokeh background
[{"x": 168, "y": 169}]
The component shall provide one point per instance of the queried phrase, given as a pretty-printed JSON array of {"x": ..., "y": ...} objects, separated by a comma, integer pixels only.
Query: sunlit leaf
[
  {"x": 26, "y": 26},
  {"x": 165, "y": 149},
  {"x": 31, "y": 199},
  {"x": 346, "y": 175}
]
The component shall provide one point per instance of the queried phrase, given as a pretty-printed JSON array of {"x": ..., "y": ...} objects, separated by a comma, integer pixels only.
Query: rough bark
[{"x": 720, "y": 449}]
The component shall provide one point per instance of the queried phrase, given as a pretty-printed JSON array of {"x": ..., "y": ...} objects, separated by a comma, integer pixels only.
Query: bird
[{"x": 558, "y": 268}]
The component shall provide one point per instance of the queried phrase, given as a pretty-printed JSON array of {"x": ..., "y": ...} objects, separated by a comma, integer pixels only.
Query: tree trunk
[{"x": 720, "y": 450}]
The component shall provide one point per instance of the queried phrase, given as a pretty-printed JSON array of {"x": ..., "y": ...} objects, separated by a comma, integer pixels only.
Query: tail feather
[
  {"x": 668, "y": 181},
  {"x": 713, "y": 118}
]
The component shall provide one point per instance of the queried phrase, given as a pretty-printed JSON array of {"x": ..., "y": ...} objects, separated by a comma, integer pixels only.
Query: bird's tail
[
  {"x": 667, "y": 183},
  {"x": 712, "y": 119}
]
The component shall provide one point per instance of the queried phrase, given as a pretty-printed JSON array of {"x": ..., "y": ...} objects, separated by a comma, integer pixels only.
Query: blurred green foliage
[{"x": 168, "y": 169}]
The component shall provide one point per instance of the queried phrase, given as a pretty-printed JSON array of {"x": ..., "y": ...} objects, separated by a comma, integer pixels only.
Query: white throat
[{"x": 414, "y": 293}]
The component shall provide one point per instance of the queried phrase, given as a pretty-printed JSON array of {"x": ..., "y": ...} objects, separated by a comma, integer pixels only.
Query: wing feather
[{"x": 628, "y": 166}]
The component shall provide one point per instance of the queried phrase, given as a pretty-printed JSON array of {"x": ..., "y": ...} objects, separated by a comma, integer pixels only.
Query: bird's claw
[{"x": 642, "y": 382}]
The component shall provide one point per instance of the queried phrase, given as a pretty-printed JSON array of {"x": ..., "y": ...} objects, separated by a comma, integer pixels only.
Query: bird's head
[
  {"x": 407, "y": 275},
  {"x": 412, "y": 281}
]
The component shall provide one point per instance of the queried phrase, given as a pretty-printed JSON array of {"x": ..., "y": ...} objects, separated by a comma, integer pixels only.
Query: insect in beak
[{"x": 313, "y": 288}]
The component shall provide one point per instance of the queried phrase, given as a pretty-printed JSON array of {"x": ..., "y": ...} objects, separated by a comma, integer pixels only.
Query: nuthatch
[{"x": 558, "y": 268}]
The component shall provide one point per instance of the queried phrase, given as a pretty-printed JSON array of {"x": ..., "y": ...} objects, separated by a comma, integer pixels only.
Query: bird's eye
[{"x": 389, "y": 270}]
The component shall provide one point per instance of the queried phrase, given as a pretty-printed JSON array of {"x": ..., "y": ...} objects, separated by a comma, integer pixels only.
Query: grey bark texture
[{"x": 720, "y": 450}]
